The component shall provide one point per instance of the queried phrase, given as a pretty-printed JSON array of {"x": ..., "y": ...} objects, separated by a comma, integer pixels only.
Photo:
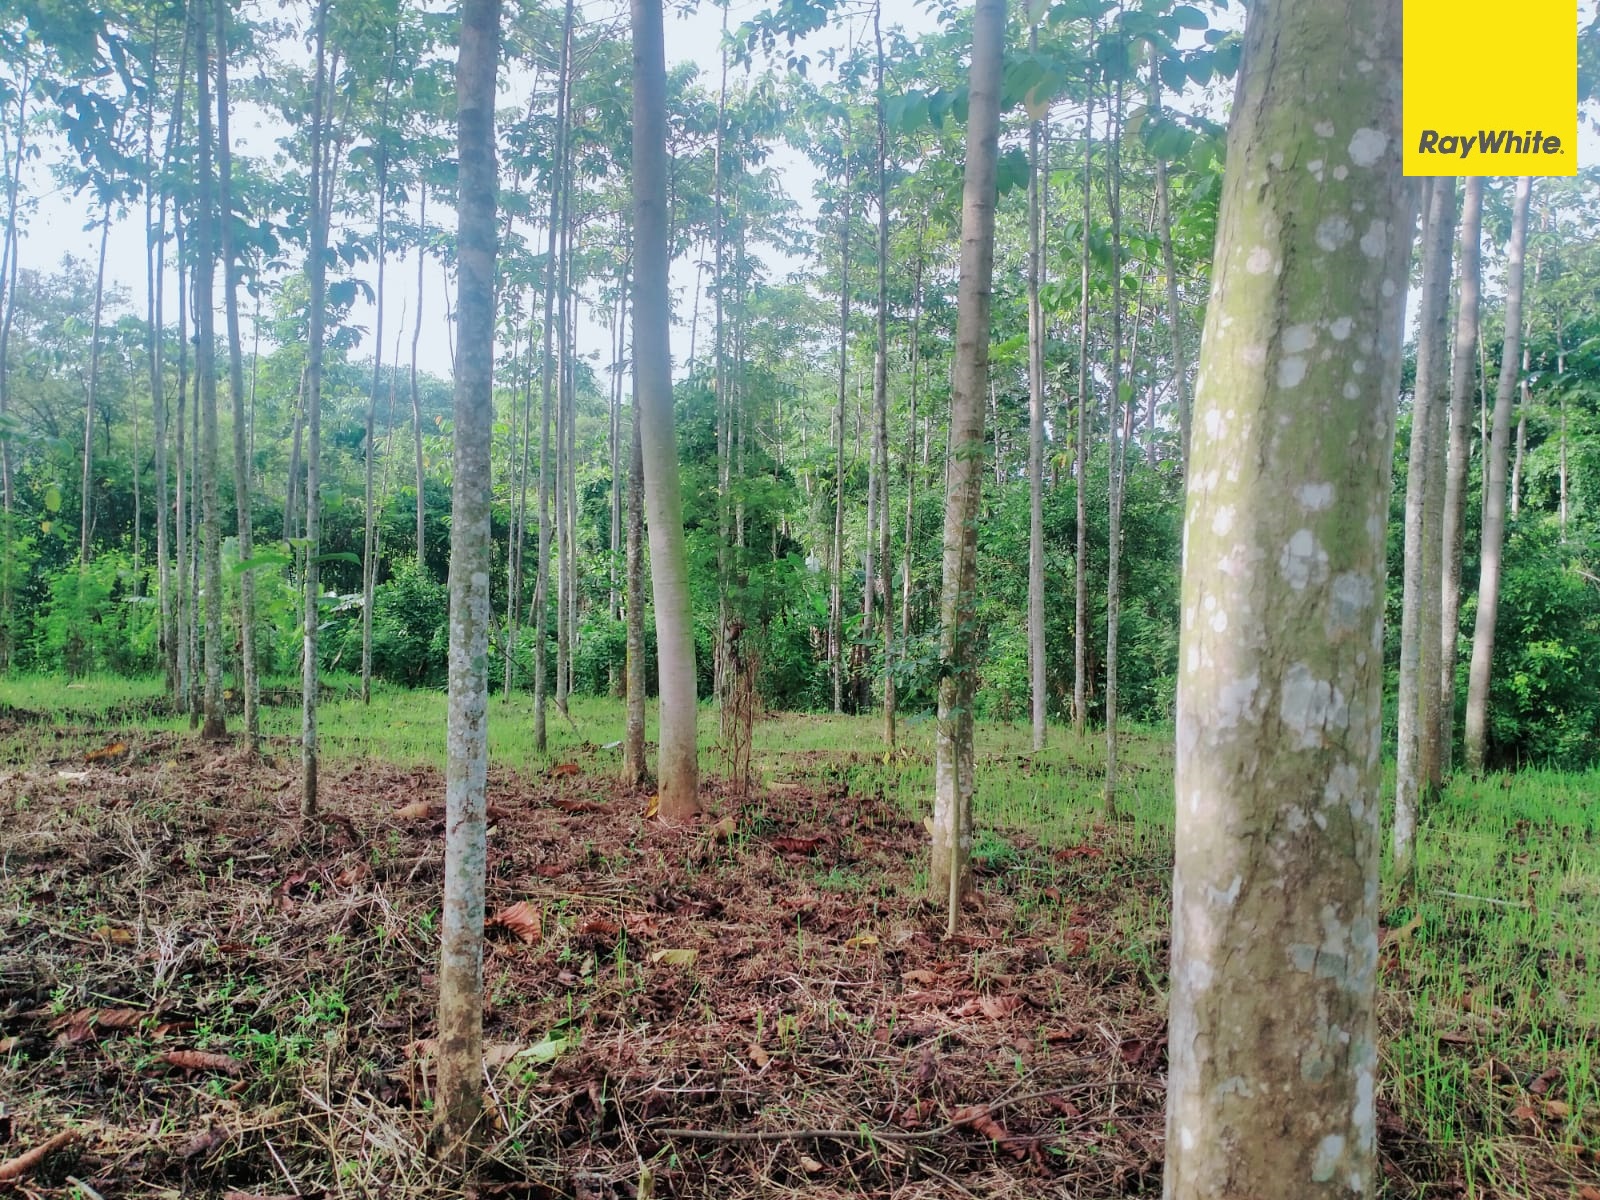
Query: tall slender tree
[
  {"x": 241, "y": 425},
  {"x": 678, "y": 769},
  {"x": 460, "y": 1096},
  {"x": 1273, "y": 1040},
  {"x": 953, "y": 776},
  {"x": 1494, "y": 490},
  {"x": 1037, "y": 183}
]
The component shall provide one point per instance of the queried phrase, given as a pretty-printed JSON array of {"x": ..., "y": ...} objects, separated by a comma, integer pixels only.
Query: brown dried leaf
[
  {"x": 565, "y": 770},
  {"x": 724, "y": 830},
  {"x": 1065, "y": 1107},
  {"x": 997, "y": 1008},
  {"x": 1588, "y": 1192},
  {"x": 758, "y": 1056},
  {"x": 1557, "y": 1109},
  {"x": 920, "y": 977},
  {"x": 568, "y": 805},
  {"x": 353, "y": 874},
  {"x": 109, "y": 753},
  {"x": 1542, "y": 1084},
  {"x": 205, "y": 1141},
  {"x": 521, "y": 920},
  {"x": 417, "y": 810},
  {"x": 797, "y": 845},
  {"x": 317, "y": 1195},
  {"x": 8, "y": 1044},
  {"x": 202, "y": 1060},
  {"x": 599, "y": 927},
  {"x": 977, "y": 1118},
  {"x": 120, "y": 1018}
]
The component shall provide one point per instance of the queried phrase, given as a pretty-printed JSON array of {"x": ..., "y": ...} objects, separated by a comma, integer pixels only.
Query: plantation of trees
[{"x": 833, "y": 598}]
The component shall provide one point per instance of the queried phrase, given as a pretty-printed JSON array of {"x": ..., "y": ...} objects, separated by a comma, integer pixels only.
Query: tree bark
[
  {"x": 678, "y": 769},
  {"x": 1036, "y": 657},
  {"x": 1080, "y": 620},
  {"x": 460, "y": 1095},
  {"x": 1463, "y": 369},
  {"x": 1494, "y": 507},
  {"x": 317, "y": 267},
  {"x": 1116, "y": 443},
  {"x": 1438, "y": 225},
  {"x": 416, "y": 398},
  {"x": 91, "y": 396},
  {"x": 634, "y": 768},
  {"x": 949, "y": 875},
  {"x": 880, "y": 390},
  {"x": 1180, "y": 372},
  {"x": 205, "y": 366},
  {"x": 369, "y": 524},
  {"x": 241, "y": 426},
  {"x": 836, "y": 600},
  {"x": 1273, "y": 1040}
]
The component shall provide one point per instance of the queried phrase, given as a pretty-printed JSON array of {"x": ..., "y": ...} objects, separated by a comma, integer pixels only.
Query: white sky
[{"x": 58, "y": 227}]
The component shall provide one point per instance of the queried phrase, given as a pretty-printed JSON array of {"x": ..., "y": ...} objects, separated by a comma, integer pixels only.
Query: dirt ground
[{"x": 223, "y": 1000}]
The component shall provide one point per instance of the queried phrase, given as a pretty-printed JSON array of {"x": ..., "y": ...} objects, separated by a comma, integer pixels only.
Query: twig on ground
[{"x": 16, "y": 1168}]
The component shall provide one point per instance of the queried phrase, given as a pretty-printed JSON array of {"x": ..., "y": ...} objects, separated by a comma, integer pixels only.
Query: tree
[
  {"x": 1463, "y": 370},
  {"x": 460, "y": 1096},
  {"x": 1036, "y": 649},
  {"x": 678, "y": 769},
  {"x": 241, "y": 429},
  {"x": 950, "y": 869},
  {"x": 1417, "y": 668},
  {"x": 1272, "y": 1042},
  {"x": 1494, "y": 490}
]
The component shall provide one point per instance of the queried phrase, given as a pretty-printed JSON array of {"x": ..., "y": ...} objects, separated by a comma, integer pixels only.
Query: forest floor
[{"x": 212, "y": 997}]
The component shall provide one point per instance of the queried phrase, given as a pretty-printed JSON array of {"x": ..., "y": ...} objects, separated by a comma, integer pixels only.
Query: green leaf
[
  {"x": 343, "y": 556},
  {"x": 52, "y": 499},
  {"x": 1174, "y": 74},
  {"x": 1190, "y": 17}
]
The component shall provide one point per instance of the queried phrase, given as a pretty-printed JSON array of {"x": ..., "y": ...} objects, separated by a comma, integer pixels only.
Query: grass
[{"x": 1491, "y": 986}]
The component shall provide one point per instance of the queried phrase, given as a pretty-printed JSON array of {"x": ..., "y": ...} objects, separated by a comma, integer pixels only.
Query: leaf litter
[{"x": 766, "y": 1012}]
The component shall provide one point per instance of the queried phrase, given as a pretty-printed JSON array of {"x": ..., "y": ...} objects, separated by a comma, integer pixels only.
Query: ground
[{"x": 220, "y": 998}]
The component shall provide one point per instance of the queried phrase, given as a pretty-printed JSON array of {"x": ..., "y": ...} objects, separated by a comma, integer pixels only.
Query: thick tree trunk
[
  {"x": 460, "y": 1095},
  {"x": 205, "y": 366},
  {"x": 678, "y": 771},
  {"x": 241, "y": 426},
  {"x": 1037, "y": 181},
  {"x": 1273, "y": 1042},
  {"x": 949, "y": 874},
  {"x": 1463, "y": 369},
  {"x": 1494, "y": 506},
  {"x": 1426, "y": 418}
]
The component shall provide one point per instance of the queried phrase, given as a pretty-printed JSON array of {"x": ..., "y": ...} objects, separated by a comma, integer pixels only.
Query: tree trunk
[
  {"x": 1437, "y": 393},
  {"x": 369, "y": 525},
  {"x": 678, "y": 771},
  {"x": 8, "y": 280},
  {"x": 1036, "y": 656},
  {"x": 182, "y": 501},
  {"x": 416, "y": 399},
  {"x": 911, "y": 470},
  {"x": 547, "y": 383},
  {"x": 880, "y": 389},
  {"x": 1116, "y": 404},
  {"x": 241, "y": 426},
  {"x": 205, "y": 367},
  {"x": 317, "y": 266},
  {"x": 1273, "y": 1041},
  {"x": 836, "y": 599},
  {"x": 460, "y": 1095},
  {"x": 949, "y": 874},
  {"x": 634, "y": 769},
  {"x": 1463, "y": 368},
  {"x": 1180, "y": 372},
  {"x": 1439, "y": 207},
  {"x": 1494, "y": 507},
  {"x": 91, "y": 396},
  {"x": 1080, "y": 619}
]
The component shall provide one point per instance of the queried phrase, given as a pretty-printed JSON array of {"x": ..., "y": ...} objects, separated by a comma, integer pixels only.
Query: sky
[{"x": 58, "y": 228}]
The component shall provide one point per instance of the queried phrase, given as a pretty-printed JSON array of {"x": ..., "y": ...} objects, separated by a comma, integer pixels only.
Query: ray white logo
[{"x": 1487, "y": 141}]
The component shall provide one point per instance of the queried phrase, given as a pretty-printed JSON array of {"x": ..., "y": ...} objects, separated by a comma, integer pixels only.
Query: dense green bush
[{"x": 97, "y": 619}]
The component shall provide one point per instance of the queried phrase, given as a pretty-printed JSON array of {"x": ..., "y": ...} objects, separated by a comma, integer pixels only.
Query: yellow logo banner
[{"x": 1491, "y": 88}]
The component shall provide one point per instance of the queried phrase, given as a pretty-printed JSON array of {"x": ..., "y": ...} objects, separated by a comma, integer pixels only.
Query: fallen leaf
[
  {"x": 569, "y": 805},
  {"x": 1065, "y": 1107},
  {"x": 724, "y": 830},
  {"x": 545, "y": 1051},
  {"x": 1542, "y": 1084},
  {"x": 1557, "y": 1109},
  {"x": 599, "y": 927},
  {"x": 115, "y": 935},
  {"x": 1588, "y": 1192},
  {"x": 978, "y": 1118},
  {"x": 809, "y": 1165},
  {"x": 861, "y": 941},
  {"x": 997, "y": 1008},
  {"x": 109, "y": 753},
  {"x": 796, "y": 845},
  {"x": 674, "y": 958},
  {"x": 202, "y": 1060},
  {"x": 1524, "y": 1112},
  {"x": 520, "y": 920},
  {"x": 759, "y": 1056},
  {"x": 561, "y": 770},
  {"x": 16, "y": 1168},
  {"x": 1069, "y": 853},
  {"x": 317, "y": 1195},
  {"x": 417, "y": 810},
  {"x": 207, "y": 1140},
  {"x": 353, "y": 875},
  {"x": 652, "y": 807},
  {"x": 920, "y": 977},
  {"x": 1402, "y": 934},
  {"x": 8, "y": 1044}
]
